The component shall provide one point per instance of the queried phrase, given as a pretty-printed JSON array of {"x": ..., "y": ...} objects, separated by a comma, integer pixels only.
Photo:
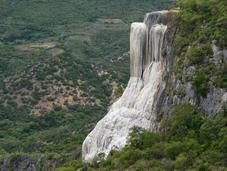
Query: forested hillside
[
  {"x": 61, "y": 64},
  {"x": 192, "y": 137}
]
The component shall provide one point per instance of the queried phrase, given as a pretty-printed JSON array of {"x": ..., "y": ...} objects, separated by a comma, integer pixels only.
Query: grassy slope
[{"x": 87, "y": 44}]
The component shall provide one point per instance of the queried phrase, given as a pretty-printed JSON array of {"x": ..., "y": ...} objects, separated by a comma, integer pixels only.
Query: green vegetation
[
  {"x": 31, "y": 134},
  {"x": 71, "y": 166},
  {"x": 52, "y": 56},
  {"x": 197, "y": 55},
  {"x": 74, "y": 25},
  {"x": 64, "y": 56},
  {"x": 221, "y": 76},
  {"x": 200, "y": 82},
  {"x": 188, "y": 141},
  {"x": 201, "y": 22}
]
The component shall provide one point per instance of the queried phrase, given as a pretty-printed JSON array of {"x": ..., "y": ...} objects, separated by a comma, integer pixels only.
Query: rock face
[
  {"x": 26, "y": 162},
  {"x": 150, "y": 48},
  {"x": 154, "y": 88}
]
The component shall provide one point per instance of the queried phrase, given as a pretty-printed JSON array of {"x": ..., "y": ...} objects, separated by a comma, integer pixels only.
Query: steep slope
[
  {"x": 149, "y": 99},
  {"x": 199, "y": 72},
  {"x": 136, "y": 107},
  {"x": 188, "y": 141}
]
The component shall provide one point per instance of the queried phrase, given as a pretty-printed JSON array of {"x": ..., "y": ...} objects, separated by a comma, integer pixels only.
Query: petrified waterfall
[{"x": 136, "y": 106}]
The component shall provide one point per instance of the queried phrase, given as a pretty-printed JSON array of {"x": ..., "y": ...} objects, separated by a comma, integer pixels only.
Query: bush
[
  {"x": 181, "y": 162},
  {"x": 200, "y": 146},
  {"x": 182, "y": 121},
  {"x": 144, "y": 140},
  {"x": 2, "y": 151},
  {"x": 221, "y": 75},
  {"x": 71, "y": 166},
  {"x": 200, "y": 83},
  {"x": 130, "y": 156},
  {"x": 181, "y": 42},
  {"x": 197, "y": 55},
  {"x": 175, "y": 148},
  {"x": 211, "y": 128}
]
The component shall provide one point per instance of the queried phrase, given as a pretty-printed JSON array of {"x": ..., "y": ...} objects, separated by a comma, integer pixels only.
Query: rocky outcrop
[
  {"x": 27, "y": 163},
  {"x": 150, "y": 49},
  {"x": 154, "y": 88},
  {"x": 179, "y": 90},
  {"x": 35, "y": 162}
]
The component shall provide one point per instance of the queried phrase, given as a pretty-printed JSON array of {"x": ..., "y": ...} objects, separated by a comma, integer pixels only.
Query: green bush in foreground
[
  {"x": 187, "y": 141},
  {"x": 71, "y": 166}
]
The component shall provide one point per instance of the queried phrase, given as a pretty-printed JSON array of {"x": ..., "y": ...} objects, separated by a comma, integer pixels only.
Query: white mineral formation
[{"x": 135, "y": 107}]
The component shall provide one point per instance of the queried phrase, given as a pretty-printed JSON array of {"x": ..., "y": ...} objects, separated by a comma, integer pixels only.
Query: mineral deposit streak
[{"x": 135, "y": 107}]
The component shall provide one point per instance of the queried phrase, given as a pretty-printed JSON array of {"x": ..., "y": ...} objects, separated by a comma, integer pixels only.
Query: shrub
[
  {"x": 2, "y": 151},
  {"x": 175, "y": 148},
  {"x": 181, "y": 162},
  {"x": 211, "y": 127},
  {"x": 158, "y": 150},
  {"x": 144, "y": 140},
  {"x": 129, "y": 156},
  {"x": 196, "y": 55},
  {"x": 71, "y": 166},
  {"x": 200, "y": 83},
  {"x": 221, "y": 75},
  {"x": 181, "y": 42},
  {"x": 201, "y": 146},
  {"x": 119, "y": 91},
  {"x": 182, "y": 121}
]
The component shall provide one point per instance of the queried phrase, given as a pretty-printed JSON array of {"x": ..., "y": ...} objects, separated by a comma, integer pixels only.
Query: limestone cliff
[
  {"x": 153, "y": 89},
  {"x": 150, "y": 50}
]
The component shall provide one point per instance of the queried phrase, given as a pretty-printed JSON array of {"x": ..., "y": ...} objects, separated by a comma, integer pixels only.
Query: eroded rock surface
[{"x": 138, "y": 104}]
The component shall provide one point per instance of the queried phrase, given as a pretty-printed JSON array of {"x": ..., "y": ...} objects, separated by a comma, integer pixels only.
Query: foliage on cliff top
[
  {"x": 204, "y": 20},
  {"x": 201, "y": 24}
]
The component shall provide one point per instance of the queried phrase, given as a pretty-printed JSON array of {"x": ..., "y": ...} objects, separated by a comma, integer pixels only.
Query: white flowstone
[
  {"x": 135, "y": 107},
  {"x": 137, "y": 48}
]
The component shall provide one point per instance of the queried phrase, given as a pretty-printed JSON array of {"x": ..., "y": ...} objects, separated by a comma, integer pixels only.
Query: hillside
[
  {"x": 61, "y": 65},
  {"x": 188, "y": 141},
  {"x": 190, "y": 104}
]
